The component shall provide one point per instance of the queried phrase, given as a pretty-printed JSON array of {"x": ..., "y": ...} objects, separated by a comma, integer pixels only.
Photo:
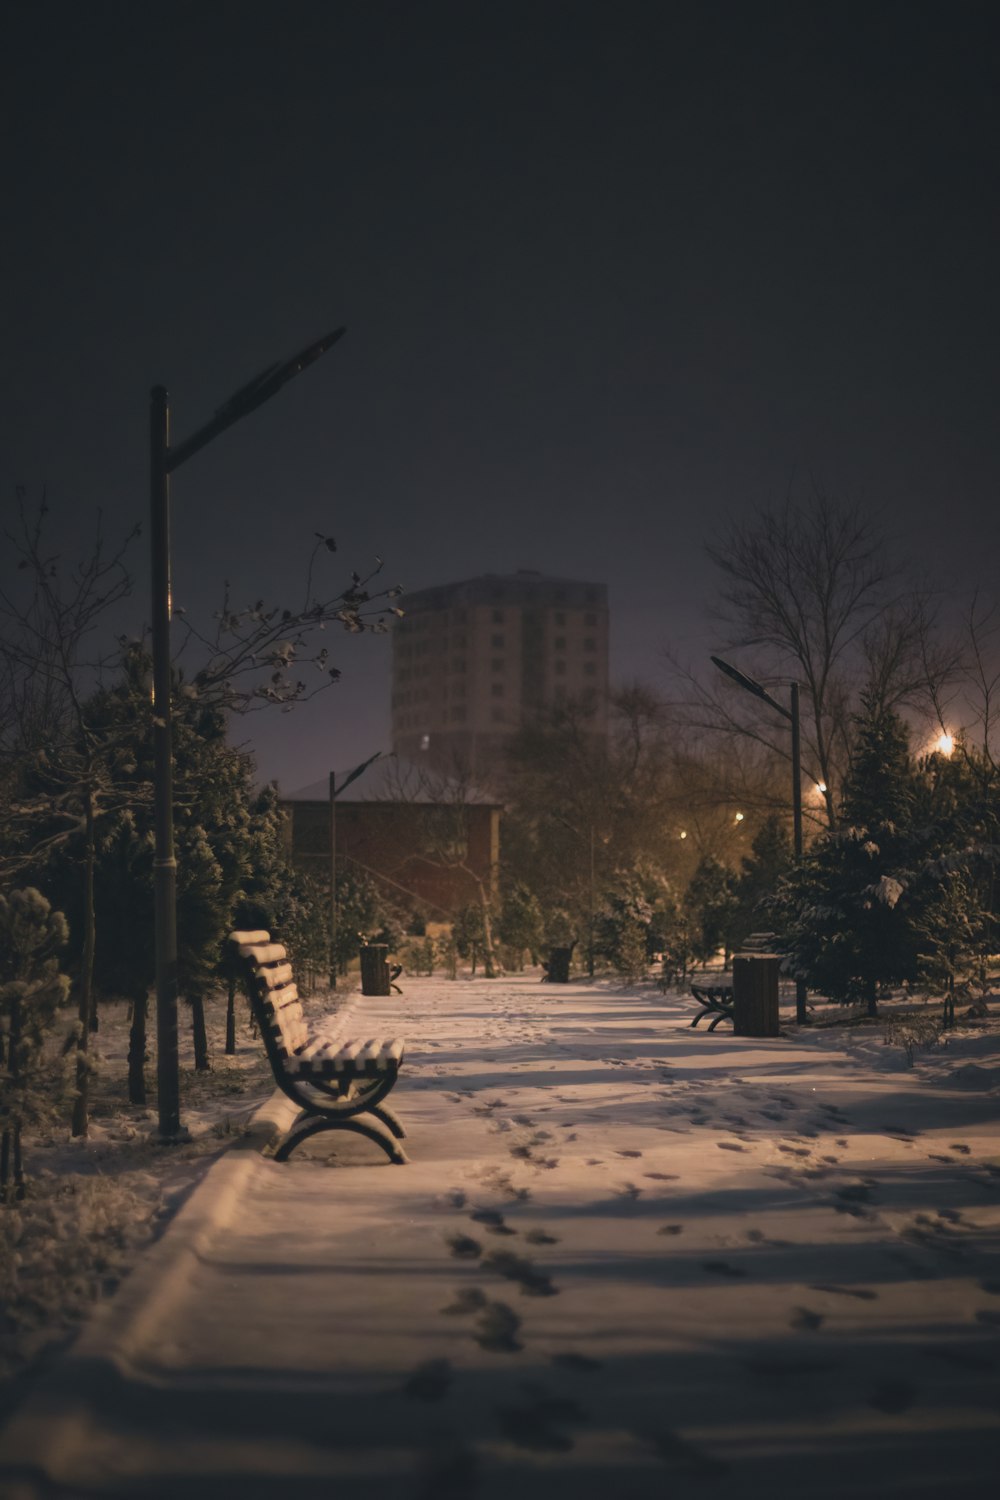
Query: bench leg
[
  {"x": 315, "y": 1124},
  {"x": 384, "y": 1113}
]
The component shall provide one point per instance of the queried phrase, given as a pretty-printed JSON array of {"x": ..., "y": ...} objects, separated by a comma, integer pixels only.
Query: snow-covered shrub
[{"x": 32, "y": 1085}]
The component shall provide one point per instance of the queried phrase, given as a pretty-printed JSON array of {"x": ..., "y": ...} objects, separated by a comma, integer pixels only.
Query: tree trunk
[
  {"x": 10, "y": 1144},
  {"x": 871, "y": 997},
  {"x": 231, "y": 1018},
  {"x": 200, "y": 1034},
  {"x": 80, "y": 1104},
  {"x": 137, "y": 1051}
]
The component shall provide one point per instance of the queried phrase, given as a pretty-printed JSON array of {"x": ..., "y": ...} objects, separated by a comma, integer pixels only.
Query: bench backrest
[{"x": 273, "y": 994}]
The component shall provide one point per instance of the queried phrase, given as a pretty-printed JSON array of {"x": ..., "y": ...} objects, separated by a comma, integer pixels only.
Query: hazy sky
[{"x": 611, "y": 273}]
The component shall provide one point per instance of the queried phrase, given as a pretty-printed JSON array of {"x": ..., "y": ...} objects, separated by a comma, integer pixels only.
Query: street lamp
[
  {"x": 163, "y": 461},
  {"x": 792, "y": 715}
]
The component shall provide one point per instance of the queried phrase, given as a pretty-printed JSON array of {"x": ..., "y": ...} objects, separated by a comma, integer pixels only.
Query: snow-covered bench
[
  {"x": 716, "y": 1000},
  {"x": 333, "y": 1081}
]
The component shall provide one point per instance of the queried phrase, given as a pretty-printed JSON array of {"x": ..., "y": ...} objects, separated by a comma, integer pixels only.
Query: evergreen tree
[
  {"x": 520, "y": 923},
  {"x": 32, "y": 990},
  {"x": 710, "y": 903},
  {"x": 846, "y": 923},
  {"x": 769, "y": 860}
]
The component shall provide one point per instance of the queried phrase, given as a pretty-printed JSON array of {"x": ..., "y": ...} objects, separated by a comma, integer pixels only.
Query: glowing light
[
  {"x": 684, "y": 833},
  {"x": 821, "y": 787},
  {"x": 945, "y": 744},
  {"x": 739, "y": 818}
]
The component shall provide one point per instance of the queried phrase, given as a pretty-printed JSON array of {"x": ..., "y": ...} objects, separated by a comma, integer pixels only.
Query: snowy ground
[{"x": 624, "y": 1252}]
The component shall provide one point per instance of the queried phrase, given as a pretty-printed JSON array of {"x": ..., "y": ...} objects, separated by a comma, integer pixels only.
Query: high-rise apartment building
[{"x": 472, "y": 662}]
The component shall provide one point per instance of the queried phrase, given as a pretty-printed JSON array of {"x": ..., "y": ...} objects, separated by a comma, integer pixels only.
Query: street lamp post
[
  {"x": 163, "y": 461},
  {"x": 792, "y": 714}
]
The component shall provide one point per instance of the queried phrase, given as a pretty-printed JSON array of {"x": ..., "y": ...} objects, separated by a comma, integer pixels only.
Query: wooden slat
[{"x": 275, "y": 975}]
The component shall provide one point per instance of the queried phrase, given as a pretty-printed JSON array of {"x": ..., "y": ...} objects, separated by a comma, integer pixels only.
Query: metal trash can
[
  {"x": 557, "y": 968},
  {"x": 375, "y": 976},
  {"x": 755, "y": 994}
]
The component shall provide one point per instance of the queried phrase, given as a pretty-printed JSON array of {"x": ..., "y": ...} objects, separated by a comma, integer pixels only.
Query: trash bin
[
  {"x": 755, "y": 994},
  {"x": 557, "y": 968},
  {"x": 375, "y": 976}
]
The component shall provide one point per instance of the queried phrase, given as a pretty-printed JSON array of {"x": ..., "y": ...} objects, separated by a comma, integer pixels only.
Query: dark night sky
[{"x": 611, "y": 274}]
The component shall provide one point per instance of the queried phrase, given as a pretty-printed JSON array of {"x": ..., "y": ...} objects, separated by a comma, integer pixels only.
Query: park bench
[
  {"x": 333, "y": 1080},
  {"x": 716, "y": 1000}
]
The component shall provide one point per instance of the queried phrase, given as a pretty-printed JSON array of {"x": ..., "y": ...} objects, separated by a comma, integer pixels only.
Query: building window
[
  {"x": 560, "y": 668},
  {"x": 590, "y": 669},
  {"x": 496, "y": 689},
  {"x": 590, "y": 620},
  {"x": 458, "y": 664},
  {"x": 498, "y": 617},
  {"x": 498, "y": 716},
  {"x": 590, "y": 644},
  {"x": 497, "y": 642},
  {"x": 560, "y": 617},
  {"x": 496, "y": 664},
  {"x": 560, "y": 643},
  {"x": 457, "y": 714}
]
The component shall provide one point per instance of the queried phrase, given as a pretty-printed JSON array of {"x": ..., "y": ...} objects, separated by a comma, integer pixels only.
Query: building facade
[
  {"x": 432, "y": 845},
  {"x": 472, "y": 662}
]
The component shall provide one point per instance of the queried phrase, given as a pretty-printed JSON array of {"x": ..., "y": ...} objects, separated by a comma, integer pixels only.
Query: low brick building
[{"x": 432, "y": 843}]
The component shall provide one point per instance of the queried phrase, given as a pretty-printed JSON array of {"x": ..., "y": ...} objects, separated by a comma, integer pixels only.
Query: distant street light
[
  {"x": 792, "y": 714},
  {"x": 163, "y": 461}
]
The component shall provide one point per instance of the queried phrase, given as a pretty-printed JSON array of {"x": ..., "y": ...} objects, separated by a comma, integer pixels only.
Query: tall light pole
[
  {"x": 792, "y": 714},
  {"x": 163, "y": 461}
]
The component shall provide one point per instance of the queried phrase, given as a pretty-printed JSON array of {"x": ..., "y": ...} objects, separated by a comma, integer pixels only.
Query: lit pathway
[{"x": 626, "y": 1256}]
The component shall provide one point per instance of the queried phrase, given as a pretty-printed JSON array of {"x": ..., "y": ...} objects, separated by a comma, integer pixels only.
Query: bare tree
[{"x": 809, "y": 593}]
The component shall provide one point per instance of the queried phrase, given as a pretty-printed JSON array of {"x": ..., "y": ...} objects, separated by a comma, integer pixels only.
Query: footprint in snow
[
  {"x": 628, "y": 1153},
  {"x": 533, "y": 1283},
  {"x": 463, "y": 1247},
  {"x": 663, "y": 1176},
  {"x": 429, "y": 1381},
  {"x": 629, "y": 1192},
  {"x": 722, "y": 1268},
  {"x": 671, "y": 1229},
  {"x": 453, "y": 1198},
  {"x": 730, "y": 1146},
  {"x": 468, "y": 1300},
  {"x": 496, "y": 1328},
  {"x": 862, "y": 1293},
  {"x": 541, "y": 1237},
  {"x": 958, "y": 1146},
  {"x": 804, "y": 1320},
  {"x": 794, "y": 1150}
]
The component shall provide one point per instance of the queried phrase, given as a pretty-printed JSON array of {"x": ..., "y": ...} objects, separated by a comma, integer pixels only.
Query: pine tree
[
  {"x": 847, "y": 924},
  {"x": 769, "y": 860},
  {"x": 32, "y": 990},
  {"x": 710, "y": 902}
]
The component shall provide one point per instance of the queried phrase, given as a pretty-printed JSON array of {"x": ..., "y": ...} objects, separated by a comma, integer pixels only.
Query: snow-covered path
[{"x": 624, "y": 1253}]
